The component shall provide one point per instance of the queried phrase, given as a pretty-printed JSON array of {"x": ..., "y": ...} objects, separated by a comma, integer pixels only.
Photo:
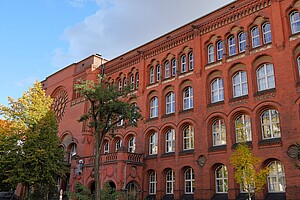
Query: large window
[
  {"x": 154, "y": 107},
  {"x": 106, "y": 148},
  {"x": 270, "y": 124},
  {"x": 239, "y": 82},
  {"x": 120, "y": 85},
  {"x": 219, "y": 132},
  {"x": 137, "y": 80},
  {"x": 167, "y": 69},
  {"x": 221, "y": 176},
  {"x": 189, "y": 181},
  {"x": 276, "y": 177},
  {"x": 170, "y": 141},
  {"x": 131, "y": 145},
  {"x": 118, "y": 144},
  {"x": 188, "y": 138},
  {"x": 265, "y": 77},
  {"x": 72, "y": 151},
  {"x": 267, "y": 35},
  {"x": 231, "y": 46},
  {"x": 132, "y": 82},
  {"x": 170, "y": 181},
  {"x": 242, "y": 42},
  {"x": 295, "y": 22},
  {"x": 217, "y": 90},
  {"x": 255, "y": 37},
  {"x": 174, "y": 68},
  {"x": 157, "y": 72},
  {"x": 191, "y": 61},
  {"x": 188, "y": 98},
  {"x": 183, "y": 63},
  {"x": 243, "y": 128},
  {"x": 153, "y": 144},
  {"x": 152, "y": 182},
  {"x": 170, "y": 103},
  {"x": 219, "y": 50},
  {"x": 151, "y": 75},
  {"x": 211, "y": 53},
  {"x": 298, "y": 62}
]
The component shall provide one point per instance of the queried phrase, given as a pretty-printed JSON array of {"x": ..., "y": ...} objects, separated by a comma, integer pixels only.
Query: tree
[
  {"x": 34, "y": 158},
  {"x": 108, "y": 107},
  {"x": 246, "y": 167}
]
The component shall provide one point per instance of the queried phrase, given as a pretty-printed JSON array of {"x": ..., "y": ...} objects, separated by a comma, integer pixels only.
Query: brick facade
[{"x": 239, "y": 62}]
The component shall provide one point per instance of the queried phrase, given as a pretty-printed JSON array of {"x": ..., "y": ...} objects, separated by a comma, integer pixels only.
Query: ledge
[
  {"x": 151, "y": 157},
  {"x": 169, "y": 154},
  {"x": 238, "y": 98},
  {"x": 186, "y": 152},
  {"x": 220, "y": 148},
  {"x": 151, "y": 119},
  {"x": 263, "y": 92},
  {"x": 186, "y": 111},
  {"x": 216, "y": 103},
  {"x": 266, "y": 143},
  {"x": 168, "y": 115},
  {"x": 248, "y": 143}
]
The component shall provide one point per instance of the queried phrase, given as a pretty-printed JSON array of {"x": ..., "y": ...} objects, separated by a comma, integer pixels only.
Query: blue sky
[{"x": 39, "y": 37}]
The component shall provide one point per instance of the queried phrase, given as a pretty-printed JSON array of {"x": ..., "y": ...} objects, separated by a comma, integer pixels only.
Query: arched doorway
[
  {"x": 132, "y": 191},
  {"x": 92, "y": 187}
]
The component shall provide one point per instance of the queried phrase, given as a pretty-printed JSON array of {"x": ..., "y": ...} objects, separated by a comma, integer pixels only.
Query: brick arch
[
  {"x": 261, "y": 59},
  {"x": 212, "y": 75},
  {"x": 234, "y": 68},
  {"x": 261, "y": 107},
  {"x": 167, "y": 89},
  {"x": 239, "y": 111}
]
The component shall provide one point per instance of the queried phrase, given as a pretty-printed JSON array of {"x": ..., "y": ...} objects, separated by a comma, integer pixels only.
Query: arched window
[
  {"x": 131, "y": 145},
  {"x": 231, "y": 45},
  {"x": 154, "y": 107},
  {"x": 120, "y": 85},
  {"x": 221, "y": 176},
  {"x": 170, "y": 141},
  {"x": 132, "y": 191},
  {"x": 152, "y": 182},
  {"x": 183, "y": 63},
  {"x": 189, "y": 181},
  {"x": 132, "y": 84},
  {"x": 167, "y": 69},
  {"x": 72, "y": 151},
  {"x": 217, "y": 90},
  {"x": 242, "y": 42},
  {"x": 137, "y": 80},
  {"x": 118, "y": 144},
  {"x": 157, "y": 72},
  {"x": 276, "y": 177},
  {"x": 255, "y": 37},
  {"x": 151, "y": 75},
  {"x": 188, "y": 138},
  {"x": 298, "y": 63},
  {"x": 239, "y": 83},
  {"x": 270, "y": 124},
  {"x": 243, "y": 128},
  {"x": 174, "y": 68},
  {"x": 170, "y": 103},
  {"x": 170, "y": 181},
  {"x": 295, "y": 22},
  {"x": 267, "y": 35},
  {"x": 211, "y": 53},
  {"x": 265, "y": 77},
  {"x": 219, "y": 132},
  {"x": 220, "y": 50},
  {"x": 188, "y": 98},
  {"x": 106, "y": 148},
  {"x": 124, "y": 82},
  {"x": 191, "y": 61},
  {"x": 153, "y": 144}
]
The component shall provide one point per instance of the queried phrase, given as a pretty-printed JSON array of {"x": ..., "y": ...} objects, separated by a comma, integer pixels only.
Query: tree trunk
[{"x": 97, "y": 166}]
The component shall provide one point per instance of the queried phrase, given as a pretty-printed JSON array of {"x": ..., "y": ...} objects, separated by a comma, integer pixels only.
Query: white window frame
[
  {"x": 183, "y": 63},
  {"x": 153, "y": 144},
  {"x": 298, "y": 63},
  {"x": 276, "y": 178},
  {"x": 267, "y": 34},
  {"x": 106, "y": 148},
  {"x": 220, "y": 50},
  {"x": 118, "y": 144},
  {"x": 231, "y": 45},
  {"x": 170, "y": 141},
  {"x": 132, "y": 84},
  {"x": 137, "y": 76},
  {"x": 174, "y": 67},
  {"x": 131, "y": 145},
  {"x": 240, "y": 84},
  {"x": 242, "y": 125},
  {"x": 188, "y": 137},
  {"x": 189, "y": 181},
  {"x": 120, "y": 85},
  {"x": 157, "y": 72},
  {"x": 191, "y": 61},
  {"x": 154, "y": 107},
  {"x": 125, "y": 82},
  {"x": 170, "y": 103},
  {"x": 188, "y": 102},
  {"x": 242, "y": 42},
  {"x": 269, "y": 123},
  {"x": 170, "y": 181},
  {"x": 151, "y": 75},
  {"x": 221, "y": 179},
  {"x": 255, "y": 37},
  {"x": 217, "y": 90},
  {"x": 73, "y": 148},
  {"x": 152, "y": 182},
  {"x": 211, "y": 53},
  {"x": 265, "y": 77},
  {"x": 295, "y": 22},
  {"x": 167, "y": 69},
  {"x": 219, "y": 132}
]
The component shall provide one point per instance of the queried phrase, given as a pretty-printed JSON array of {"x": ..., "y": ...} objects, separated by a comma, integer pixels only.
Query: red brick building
[{"x": 237, "y": 65}]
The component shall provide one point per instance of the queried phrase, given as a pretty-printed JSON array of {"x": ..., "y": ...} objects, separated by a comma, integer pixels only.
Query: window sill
[
  {"x": 168, "y": 115},
  {"x": 273, "y": 142},
  {"x": 239, "y": 98},
  {"x": 169, "y": 154},
  {"x": 263, "y": 92},
  {"x": 151, "y": 157},
  {"x": 220, "y": 148},
  {"x": 186, "y": 111},
  {"x": 186, "y": 152},
  {"x": 152, "y": 119},
  {"x": 248, "y": 143},
  {"x": 216, "y": 103},
  {"x": 212, "y": 64}
]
